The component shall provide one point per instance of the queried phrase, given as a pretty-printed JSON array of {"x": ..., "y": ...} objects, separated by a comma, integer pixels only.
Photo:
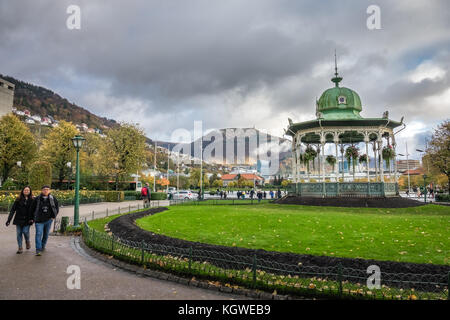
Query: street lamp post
[
  {"x": 424, "y": 176},
  {"x": 425, "y": 188},
  {"x": 154, "y": 170},
  {"x": 78, "y": 143},
  {"x": 69, "y": 165},
  {"x": 168, "y": 168},
  {"x": 407, "y": 168}
]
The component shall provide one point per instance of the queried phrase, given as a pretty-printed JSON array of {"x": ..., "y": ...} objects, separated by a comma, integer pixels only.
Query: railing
[
  {"x": 104, "y": 213},
  {"x": 334, "y": 281},
  {"x": 219, "y": 202}
]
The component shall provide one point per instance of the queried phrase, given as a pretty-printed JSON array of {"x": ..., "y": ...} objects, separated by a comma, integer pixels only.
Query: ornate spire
[{"x": 336, "y": 79}]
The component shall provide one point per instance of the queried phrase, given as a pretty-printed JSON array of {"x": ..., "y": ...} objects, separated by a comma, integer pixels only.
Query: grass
[
  {"x": 99, "y": 224},
  {"x": 419, "y": 234},
  {"x": 257, "y": 279}
]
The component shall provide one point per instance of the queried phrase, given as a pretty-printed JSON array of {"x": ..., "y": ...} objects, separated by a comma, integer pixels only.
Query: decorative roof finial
[
  {"x": 336, "y": 79},
  {"x": 335, "y": 64}
]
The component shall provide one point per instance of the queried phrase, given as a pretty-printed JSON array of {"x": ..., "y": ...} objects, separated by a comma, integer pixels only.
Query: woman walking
[{"x": 23, "y": 217}]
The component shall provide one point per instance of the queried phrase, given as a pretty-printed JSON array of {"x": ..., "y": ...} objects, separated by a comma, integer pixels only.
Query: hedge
[
  {"x": 158, "y": 196},
  {"x": 113, "y": 196},
  {"x": 442, "y": 197}
]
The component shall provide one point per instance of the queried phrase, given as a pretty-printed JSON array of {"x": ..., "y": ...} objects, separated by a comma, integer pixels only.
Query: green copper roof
[
  {"x": 340, "y": 107},
  {"x": 339, "y": 103}
]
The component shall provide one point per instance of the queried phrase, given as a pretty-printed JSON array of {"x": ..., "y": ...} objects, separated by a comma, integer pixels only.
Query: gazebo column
[
  {"x": 308, "y": 166},
  {"x": 380, "y": 155},
  {"x": 294, "y": 160},
  {"x": 394, "y": 145},
  {"x": 366, "y": 140},
  {"x": 299, "y": 164},
  {"x": 336, "y": 168},
  {"x": 318, "y": 170},
  {"x": 322, "y": 158},
  {"x": 375, "y": 159},
  {"x": 342, "y": 159}
]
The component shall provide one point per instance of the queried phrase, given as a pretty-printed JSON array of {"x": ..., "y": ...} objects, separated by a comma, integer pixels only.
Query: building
[
  {"x": 404, "y": 165},
  {"x": 340, "y": 133},
  {"x": 6, "y": 97},
  {"x": 234, "y": 177},
  {"x": 414, "y": 172}
]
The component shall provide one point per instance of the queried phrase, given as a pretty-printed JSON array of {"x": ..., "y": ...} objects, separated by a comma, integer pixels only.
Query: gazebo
[{"x": 367, "y": 144}]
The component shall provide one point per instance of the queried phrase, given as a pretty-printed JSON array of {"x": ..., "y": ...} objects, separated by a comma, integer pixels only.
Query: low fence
[
  {"x": 219, "y": 202},
  {"x": 334, "y": 281},
  {"x": 153, "y": 204},
  {"x": 105, "y": 213}
]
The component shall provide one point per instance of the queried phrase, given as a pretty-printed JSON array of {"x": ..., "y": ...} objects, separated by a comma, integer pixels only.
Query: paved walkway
[{"x": 26, "y": 276}]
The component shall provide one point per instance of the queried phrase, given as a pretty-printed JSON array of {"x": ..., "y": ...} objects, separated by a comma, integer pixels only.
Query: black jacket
[
  {"x": 39, "y": 215},
  {"x": 23, "y": 213}
]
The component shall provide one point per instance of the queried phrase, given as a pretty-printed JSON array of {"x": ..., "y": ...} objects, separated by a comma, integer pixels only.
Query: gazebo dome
[{"x": 339, "y": 103}]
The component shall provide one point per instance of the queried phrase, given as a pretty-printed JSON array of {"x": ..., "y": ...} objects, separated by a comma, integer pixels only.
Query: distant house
[
  {"x": 45, "y": 121},
  {"x": 234, "y": 177},
  {"x": 414, "y": 172},
  {"x": 36, "y": 118}
]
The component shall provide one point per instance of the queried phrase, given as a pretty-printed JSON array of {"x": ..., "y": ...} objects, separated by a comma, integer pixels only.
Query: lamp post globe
[{"x": 77, "y": 143}]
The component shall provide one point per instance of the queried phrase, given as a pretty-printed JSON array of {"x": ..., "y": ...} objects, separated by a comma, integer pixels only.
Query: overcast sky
[{"x": 245, "y": 63}]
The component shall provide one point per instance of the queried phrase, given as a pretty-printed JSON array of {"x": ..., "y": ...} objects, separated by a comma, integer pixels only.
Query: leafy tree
[
  {"x": 241, "y": 182},
  {"x": 123, "y": 151},
  {"x": 217, "y": 183},
  {"x": 194, "y": 179},
  {"x": 213, "y": 178},
  {"x": 90, "y": 155},
  {"x": 439, "y": 150},
  {"x": 40, "y": 174},
  {"x": 17, "y": 143},
  {"x": 183, "y": 182},
  {"x": 285, "y": 183},
  {"x": 57, "y": 148}
]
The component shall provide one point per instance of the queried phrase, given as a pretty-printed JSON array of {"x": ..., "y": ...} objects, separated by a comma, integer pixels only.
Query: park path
[{"x": 26, "y": 276}]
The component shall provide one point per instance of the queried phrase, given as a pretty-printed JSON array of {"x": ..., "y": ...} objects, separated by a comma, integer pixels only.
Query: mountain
[
  {"x": 44, "y": 102},
  {"x": 248, "y": 140}
]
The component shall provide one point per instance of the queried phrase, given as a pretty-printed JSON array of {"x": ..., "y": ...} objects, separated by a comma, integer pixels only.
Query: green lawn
[{"x": 420, "y": 234}]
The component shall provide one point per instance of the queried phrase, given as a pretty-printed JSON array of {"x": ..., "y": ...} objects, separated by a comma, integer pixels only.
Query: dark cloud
[{"x": 229, "y": 63}]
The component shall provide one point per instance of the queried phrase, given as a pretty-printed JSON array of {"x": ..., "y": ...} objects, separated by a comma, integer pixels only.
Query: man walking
[
  {"x": 45, "y": 208},
  {"x": 145, "y": 193}
]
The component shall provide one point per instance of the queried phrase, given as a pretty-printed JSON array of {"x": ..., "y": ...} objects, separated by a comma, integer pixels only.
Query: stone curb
[{"x": 140, "y": 271}]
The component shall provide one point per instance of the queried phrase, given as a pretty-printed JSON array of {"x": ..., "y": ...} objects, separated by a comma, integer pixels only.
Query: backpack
[{"x": 144, "y": 191}]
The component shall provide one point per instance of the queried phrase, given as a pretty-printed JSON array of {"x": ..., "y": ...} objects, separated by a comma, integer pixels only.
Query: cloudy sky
[{"x": 235, "y": 63}]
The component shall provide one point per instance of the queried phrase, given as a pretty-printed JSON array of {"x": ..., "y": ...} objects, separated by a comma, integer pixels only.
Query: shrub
[
  {"x": 442, "y": 197},
  {"x": 158, "y": 196},
  {"x": 113, "y": 196},
  {"x": 9, "y": 184},
  {"x": 131, "y": 194},
  {"x": 40, "y": 174}
]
